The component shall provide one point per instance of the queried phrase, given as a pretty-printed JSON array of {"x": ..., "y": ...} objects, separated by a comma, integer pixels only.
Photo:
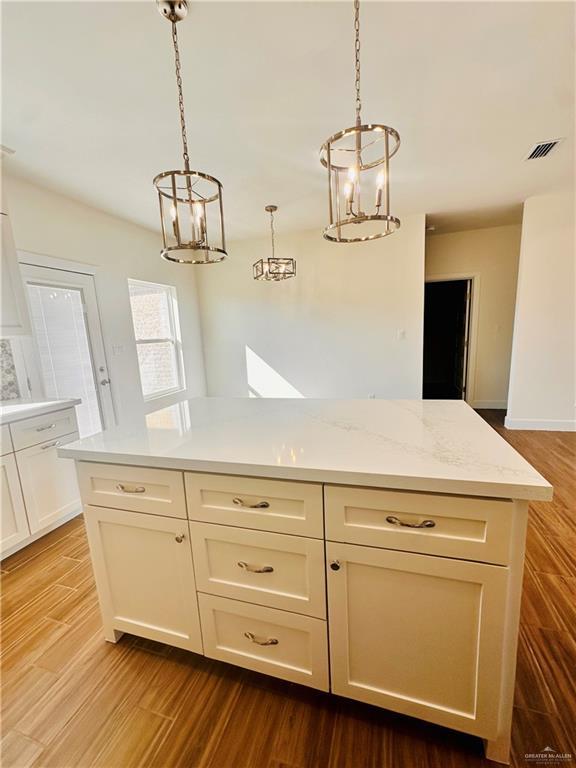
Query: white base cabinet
[
  {"x": 406, "y": 623},
  {"x": 143, "y": 569},
  {"x": 49, "y": 483},
  {"x": 13, "y": 523},
  {"x": 417, "y": 634},
  {"x": 39, "y": 488}
]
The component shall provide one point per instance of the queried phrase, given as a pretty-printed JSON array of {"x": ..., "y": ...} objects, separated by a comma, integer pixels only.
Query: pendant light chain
[
  {"x": 272, "y": 230},
  {"x": 180, "y": 97},
  {"x": 357, "y": 58}
]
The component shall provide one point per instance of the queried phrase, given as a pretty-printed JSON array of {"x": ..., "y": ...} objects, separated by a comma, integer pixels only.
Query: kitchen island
[{"x": 370, "y": 548}]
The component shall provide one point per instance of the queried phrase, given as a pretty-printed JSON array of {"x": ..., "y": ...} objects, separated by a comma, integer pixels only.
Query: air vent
[{"x": 542, "y": 149}]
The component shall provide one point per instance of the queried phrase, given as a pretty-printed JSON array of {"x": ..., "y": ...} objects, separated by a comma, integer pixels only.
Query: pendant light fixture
[
  {"x": 190, "y": 201},
  {"x": 358, "y": 161},
  {"x": 274, "y": 268}
]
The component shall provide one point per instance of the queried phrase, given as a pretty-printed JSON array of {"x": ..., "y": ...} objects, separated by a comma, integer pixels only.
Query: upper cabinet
[{"x": 14, "y": 319}]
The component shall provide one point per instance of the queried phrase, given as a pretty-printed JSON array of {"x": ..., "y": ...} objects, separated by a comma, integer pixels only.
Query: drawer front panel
[
  {"x": 267, "y": 505},
  {"x": 5, "y": 440},
  {"x": 39, "y": 429},
  {"x": 452, "y": 526},
  {"x": 270, "y": 569},
  {"x": 267, "y": 640},
  {"x": 136, "y": 489}
]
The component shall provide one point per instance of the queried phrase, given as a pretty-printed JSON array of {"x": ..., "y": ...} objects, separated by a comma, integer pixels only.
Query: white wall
[
  {"x": 48, "y": 223},
  {"x": 349, "y": 324},
  {"x": 491, "y": 255},
  {"x": 542, "y": 380}
]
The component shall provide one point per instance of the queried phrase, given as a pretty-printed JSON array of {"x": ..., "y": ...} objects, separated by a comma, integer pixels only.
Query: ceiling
[{"x": 89, "y": 102}]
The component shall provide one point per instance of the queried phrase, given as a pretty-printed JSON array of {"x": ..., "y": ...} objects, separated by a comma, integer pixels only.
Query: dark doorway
[{"x": 446, "y": 321}]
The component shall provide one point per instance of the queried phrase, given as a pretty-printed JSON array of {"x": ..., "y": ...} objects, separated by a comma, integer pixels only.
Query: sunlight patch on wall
[{"x": 264, "y": 381}]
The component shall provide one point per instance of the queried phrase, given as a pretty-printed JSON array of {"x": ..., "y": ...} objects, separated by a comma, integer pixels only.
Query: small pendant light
[
  {"x": 274, "y": 268},
  {"x": 191, "y": 211},
  {"x": 357, "y": 160}
]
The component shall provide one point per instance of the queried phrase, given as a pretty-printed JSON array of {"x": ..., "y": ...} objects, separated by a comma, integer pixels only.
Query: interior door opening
[{"x": 447, "y": 306}]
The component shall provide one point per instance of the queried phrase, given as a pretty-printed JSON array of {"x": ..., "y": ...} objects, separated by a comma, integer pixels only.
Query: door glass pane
[
  {"x": 65, "y": 360},
  {"x": 158, "y": 367}
]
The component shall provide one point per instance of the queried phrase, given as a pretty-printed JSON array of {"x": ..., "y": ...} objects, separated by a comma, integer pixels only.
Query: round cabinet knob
[
  {"x": 335, "y": 565},
  {"x": 179, "y": 538}
]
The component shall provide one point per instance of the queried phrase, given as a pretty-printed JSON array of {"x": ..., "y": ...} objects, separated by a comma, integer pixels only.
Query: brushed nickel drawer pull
[
  {"x": 51, "y": 445},
  {"x": 125, "y": 489},
  {"x": 45, "y": 427},
  {"x": 260, "y": 641},
  {"x": 424, "y": 524},
  {"x": 242, "y": 503},
  {"x": 255, "y": 568}
]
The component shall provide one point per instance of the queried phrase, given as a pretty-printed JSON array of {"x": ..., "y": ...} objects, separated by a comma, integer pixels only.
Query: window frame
[{"x": 176, "y": 340}]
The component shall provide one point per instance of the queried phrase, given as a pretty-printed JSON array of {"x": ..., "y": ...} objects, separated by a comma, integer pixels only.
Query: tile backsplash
[{"x": 9, "y": 389}]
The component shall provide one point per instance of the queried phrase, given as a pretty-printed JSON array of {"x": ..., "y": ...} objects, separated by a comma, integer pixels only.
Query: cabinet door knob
[
  {"x": 180, "y": 538},
  {"x": 260, "y": 640},
  {"x": 335, "y": 565},
  {"x": 396, "y": 521},
  {"x": 241, "y": 503},
  {"x": 255, "y": 568}
]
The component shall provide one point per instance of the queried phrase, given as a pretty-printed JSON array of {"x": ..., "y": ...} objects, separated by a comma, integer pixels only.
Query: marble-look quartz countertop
[
  {"x": 14, "y": 411},
  {"x": 424, "y": 445}
]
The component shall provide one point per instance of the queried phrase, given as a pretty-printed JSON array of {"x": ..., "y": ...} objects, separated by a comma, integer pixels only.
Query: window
[{"x": 158, "y": 343}]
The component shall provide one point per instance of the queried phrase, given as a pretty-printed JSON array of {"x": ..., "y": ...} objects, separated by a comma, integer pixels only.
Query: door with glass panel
[{"x": 66, "y": 328}]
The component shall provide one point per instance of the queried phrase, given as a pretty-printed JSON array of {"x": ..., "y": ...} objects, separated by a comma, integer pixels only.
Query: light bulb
[{"x": 379, "y": 188}]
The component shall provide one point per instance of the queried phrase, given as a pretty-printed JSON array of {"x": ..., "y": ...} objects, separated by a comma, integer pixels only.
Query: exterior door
[
  {"x": 66, "y": 328},
  {"x": 417, "y": 634},
  {"x": 143, "y": 568}
]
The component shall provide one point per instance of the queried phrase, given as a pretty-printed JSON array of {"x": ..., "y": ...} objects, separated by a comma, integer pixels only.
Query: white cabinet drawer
[
  {"x": 248, "y": 502},
  {"x": 271, "y": 569},
  {"x": 39, "y": 429},
  {"x": 136, "y": 489},
  {"x": 453, "y": 526},
  {"x": 277, "y": 643},
  {"x": 5, "y": 440}
]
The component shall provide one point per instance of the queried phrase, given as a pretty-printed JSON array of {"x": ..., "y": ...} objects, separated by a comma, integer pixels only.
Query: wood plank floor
[{"x": 71, "y": 700}]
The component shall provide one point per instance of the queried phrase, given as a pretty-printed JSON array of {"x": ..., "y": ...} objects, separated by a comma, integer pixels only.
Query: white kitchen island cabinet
[{"x": 221, "y": 534}]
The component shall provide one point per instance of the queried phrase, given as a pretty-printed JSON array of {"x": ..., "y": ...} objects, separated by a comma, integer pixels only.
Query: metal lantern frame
[
  {"x": 352, "y": 157},
  {"x": 274, "y": 268},
  {"x": 191, "y": 208}
]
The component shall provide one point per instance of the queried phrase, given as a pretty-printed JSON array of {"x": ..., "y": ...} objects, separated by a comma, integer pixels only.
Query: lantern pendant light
[
  {"x": 274, "y": 268},
  {"x": 358, "y": 162},
  {"x": 191, "y": 211}
]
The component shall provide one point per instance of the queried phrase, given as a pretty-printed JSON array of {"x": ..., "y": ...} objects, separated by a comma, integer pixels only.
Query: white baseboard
[
  {"x": 497, "y": 404},
  {"x": 552, "y": 425}
]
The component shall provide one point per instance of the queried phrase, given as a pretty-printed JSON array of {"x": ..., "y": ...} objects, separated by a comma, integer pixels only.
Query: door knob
[{"x": 335, "y": 565}]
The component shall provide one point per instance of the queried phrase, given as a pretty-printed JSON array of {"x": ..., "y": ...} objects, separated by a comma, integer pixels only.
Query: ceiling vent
[{"x": 542, "y": 149}]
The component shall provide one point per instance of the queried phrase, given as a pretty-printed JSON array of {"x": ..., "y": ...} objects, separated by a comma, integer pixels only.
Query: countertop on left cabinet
[
  {"x": 38, "y": 489},
  {"x": 14, "y": 411}
]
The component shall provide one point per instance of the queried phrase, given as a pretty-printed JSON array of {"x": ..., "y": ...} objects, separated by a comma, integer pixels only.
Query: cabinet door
[
  {"x": 49, "y": 483},
  {"x": 417, "y": 634},
  {"x": 14, "y": 318},
  {"x": 14, "y": 524},
  {"x": 145, "y": 578}
]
